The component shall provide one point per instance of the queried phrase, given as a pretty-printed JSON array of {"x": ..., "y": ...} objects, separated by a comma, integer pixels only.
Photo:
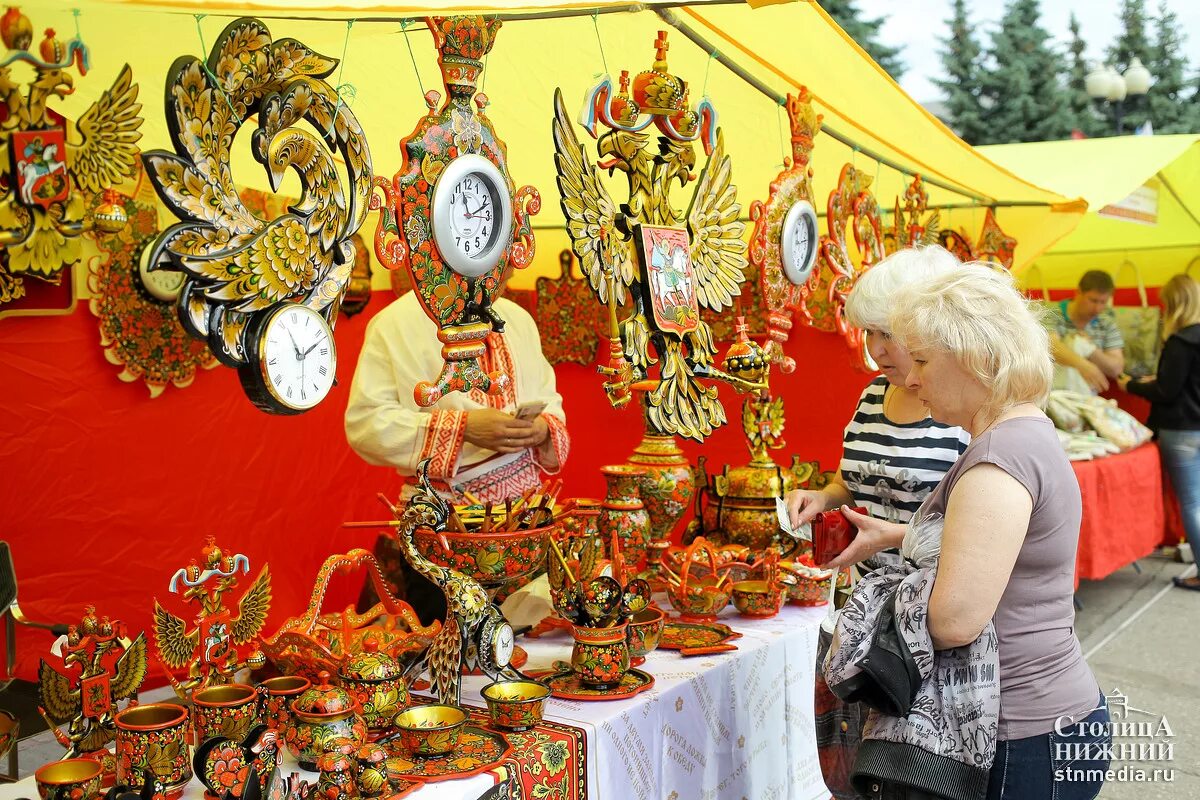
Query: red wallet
[{"x": 831, "y": 534}]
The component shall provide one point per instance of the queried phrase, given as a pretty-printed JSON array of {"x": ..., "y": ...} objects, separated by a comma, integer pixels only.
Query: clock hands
[
  {"x": 311, "y": 348},
  {"x": 295, "y": 346}
]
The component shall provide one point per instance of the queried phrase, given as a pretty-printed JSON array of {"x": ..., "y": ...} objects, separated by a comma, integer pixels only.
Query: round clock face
[
  {"x": 798, "y": 249},
  {"x": 503, "y": 643},
  {"x": 296, "y": 358},
  {"x": 471, "y": 215},
  {"x": 162, "y": 284}
]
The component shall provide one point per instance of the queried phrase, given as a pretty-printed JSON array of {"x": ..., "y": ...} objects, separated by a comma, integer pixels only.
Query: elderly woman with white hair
[
  {"x": 893, "y": 455},
  {"x": 1011, "y": 509}
]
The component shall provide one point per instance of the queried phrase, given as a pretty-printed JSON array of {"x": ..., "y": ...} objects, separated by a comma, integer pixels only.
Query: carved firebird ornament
[
  {"x": 671, "y": 264},
  {"x": 263, "y": 293},
  {"x": 53, "y": 167},
  {"x": 100, "y": 666},
  {"x": 210, "y": 649}
]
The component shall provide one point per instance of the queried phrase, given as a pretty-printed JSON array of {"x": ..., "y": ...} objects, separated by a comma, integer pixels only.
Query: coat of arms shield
[
  {"x": 40, "y": 166},
  {"x": 670, "y": 285}
]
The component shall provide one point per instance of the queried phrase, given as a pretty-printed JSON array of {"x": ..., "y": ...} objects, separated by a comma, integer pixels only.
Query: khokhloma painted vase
[
  {"x": 669, "y": 484},
  {"x": 623, "y": 513}
]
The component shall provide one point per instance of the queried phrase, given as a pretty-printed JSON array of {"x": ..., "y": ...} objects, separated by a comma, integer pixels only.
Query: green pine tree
[
  {"x": 865, "y": 31},
  {"x": 961, "y": 59},
  {"x": 1022, "y": 96},
  {"x": 1169, "y": 108},
  {"x": 1083, "y": 113},
  {"x": 1133, "y": 42}
]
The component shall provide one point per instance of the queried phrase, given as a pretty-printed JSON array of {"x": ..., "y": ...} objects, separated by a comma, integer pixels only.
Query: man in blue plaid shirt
[{"x": 1087, "y": 344}]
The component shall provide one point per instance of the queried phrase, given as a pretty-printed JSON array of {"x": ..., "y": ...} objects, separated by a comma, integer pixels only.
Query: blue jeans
[
  {"x": 1181, "y": 455},
  {"x": 1065, "y": 764}
]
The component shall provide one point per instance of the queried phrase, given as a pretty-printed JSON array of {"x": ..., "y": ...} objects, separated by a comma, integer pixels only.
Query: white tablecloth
[{"x": 733, "y": 725}]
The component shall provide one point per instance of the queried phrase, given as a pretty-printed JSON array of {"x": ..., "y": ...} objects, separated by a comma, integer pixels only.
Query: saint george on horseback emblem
[
  {"x": 665, "y": 253},
  {"x": 40, "y": 166}
]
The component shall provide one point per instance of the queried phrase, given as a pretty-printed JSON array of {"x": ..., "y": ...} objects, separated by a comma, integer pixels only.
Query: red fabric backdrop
[{"x": 105, "y": 492}]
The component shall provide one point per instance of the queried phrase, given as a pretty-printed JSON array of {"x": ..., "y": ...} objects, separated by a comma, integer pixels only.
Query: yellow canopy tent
[
  {"x": 744, "y": 58},
  {"x": 1143, "y": 196}
]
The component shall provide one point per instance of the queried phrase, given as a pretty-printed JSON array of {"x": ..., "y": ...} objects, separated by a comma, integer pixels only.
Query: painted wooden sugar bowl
[
  {"x": 376, "y": 681},
  {"x": 321, "y": 715}
]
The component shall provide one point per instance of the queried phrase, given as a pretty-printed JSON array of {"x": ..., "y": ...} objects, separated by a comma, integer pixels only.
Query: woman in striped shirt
[{"x": 893, "y": 455}]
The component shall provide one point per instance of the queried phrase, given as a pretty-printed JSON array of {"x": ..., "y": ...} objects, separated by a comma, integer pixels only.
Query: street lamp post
[{"x": 1107, "y": 86}]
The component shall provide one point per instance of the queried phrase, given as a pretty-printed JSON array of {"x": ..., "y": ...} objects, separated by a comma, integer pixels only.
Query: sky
[{"x": 917, "y": 25}]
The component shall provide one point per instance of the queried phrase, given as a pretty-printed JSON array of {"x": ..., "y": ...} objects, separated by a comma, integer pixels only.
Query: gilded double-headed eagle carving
[
  {"x": 54, "y": 166},
  {"x": 179, "y": 646},
  {"x": 602, "y": 235}
]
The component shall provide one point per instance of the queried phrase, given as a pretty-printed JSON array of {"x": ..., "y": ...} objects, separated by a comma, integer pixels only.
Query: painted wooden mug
[
  {"x": 230, "y": 710},
  {"x": 154, "y": 737},
  {"x": 601, "y": 655}
]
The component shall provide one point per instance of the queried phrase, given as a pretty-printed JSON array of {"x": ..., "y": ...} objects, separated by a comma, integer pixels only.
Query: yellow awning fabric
[
  {"x": 1105, "y": 172},
  {"x": 781, "y": 46}
]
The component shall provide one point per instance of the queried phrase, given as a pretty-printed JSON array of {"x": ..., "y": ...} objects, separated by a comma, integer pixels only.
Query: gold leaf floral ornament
[{"x": 139, "y": 333}]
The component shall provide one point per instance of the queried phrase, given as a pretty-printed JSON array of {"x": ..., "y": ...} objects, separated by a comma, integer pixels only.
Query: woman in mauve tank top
[{"x": 1011, "y": 509}]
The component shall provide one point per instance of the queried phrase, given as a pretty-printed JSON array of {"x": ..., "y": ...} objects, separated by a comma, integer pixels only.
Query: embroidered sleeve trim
[
  {"x": 559, "y": 440},
  {"x": 443, "y": 442}
]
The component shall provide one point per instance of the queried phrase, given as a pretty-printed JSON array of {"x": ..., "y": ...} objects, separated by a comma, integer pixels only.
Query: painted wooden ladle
[{"x": 601, "y": 596}]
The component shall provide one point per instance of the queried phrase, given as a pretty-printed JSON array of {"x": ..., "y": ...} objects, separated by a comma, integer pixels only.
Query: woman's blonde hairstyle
[
  {"x": 870, "y": 302},
  {"x": 978, "y": 316},
  {"x": 1181, "y": 304}
]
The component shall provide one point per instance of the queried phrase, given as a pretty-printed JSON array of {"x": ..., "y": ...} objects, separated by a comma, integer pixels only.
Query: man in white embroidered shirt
[{"x": 476, "y": 442}]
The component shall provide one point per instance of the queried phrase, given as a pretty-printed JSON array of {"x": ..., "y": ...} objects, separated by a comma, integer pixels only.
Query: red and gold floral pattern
[
  {"x": 139, "y": 334},
  {"x": 678, "y": 635},
  {"x": 643, "y": 633},
  {"x": 493, "y": 559},
  {"x": 569, "y": 686},
  {"x": 568, "y": 317},
  {"x": 225, "y": 770},
  {"x": 223, "y": 717},
  {"x": 153, "y": 737},
  {"x": 476, "y": 751},
  {"x": 623, "y": 514},
  {"x": 600, "y": 656}
]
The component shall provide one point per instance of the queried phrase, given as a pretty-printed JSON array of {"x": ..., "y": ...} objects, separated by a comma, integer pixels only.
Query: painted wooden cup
[
  {"x": 278, "y": 694},
  {"x": 72, "y": 779},
  {"x": 430, "y": 730},
  {"x": 515, "y": 705},
  {"x": 645, "y": 629},
  {"x": 600, "y": 656},
  {"x": 230, "y": 711},
  {"x": 154, "y": 737},
  {"x": 757, "y": 598}
]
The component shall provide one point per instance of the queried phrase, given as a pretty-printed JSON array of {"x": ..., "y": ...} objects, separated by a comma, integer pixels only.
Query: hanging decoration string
[
  {"x": 483, "y": 83},
  {"x": 75, "y": 13},
  {"x": 711, "y": 57},
  {"x": 404, "y": 29},
  {"x": 342, "y": 87},
  {"x": 783, "y": 153},
  {"x": 599, "y": 41},
  {"x": 212, "y": 77}
]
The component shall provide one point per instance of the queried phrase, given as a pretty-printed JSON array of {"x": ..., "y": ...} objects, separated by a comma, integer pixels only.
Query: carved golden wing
[
  {"x": 253, "y": 608},
  {"x": 108, "y": 150},
  {"x": 590, "y": 212},
  {"x": 131, "y": 670},
  {"x": 57, "y": 697},
  {"x": 175, "y": 646},
  {"x": 278, "y": 263},
  {"x": 718, "y": 252}
]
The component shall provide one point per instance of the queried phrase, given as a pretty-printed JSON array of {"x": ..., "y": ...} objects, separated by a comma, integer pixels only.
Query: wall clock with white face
[
  {"x": 162, "y": 284},
  {"x": 472, "y": 215},
  {"x": 292, "y": 360},
  {"x": 798, "y": 248}
]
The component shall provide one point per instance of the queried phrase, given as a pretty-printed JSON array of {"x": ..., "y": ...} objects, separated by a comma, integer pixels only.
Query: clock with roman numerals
[{"x": 292, "y": 360}]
